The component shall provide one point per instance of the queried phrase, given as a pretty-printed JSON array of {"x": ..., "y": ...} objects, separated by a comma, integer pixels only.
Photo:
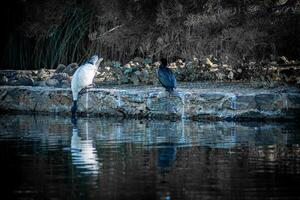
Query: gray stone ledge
[{"x": 155, "y": 103}]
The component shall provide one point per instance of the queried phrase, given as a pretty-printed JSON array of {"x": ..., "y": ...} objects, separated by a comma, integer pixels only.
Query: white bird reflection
[{"x": 84, "y": 154}]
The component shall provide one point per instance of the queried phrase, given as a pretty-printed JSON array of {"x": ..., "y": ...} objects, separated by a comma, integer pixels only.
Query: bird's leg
[
  {"x": 73, "y": 110},
  {"x": 86, "y": 88},
  {"x": 74, "y": 119},
  {"x": 169, "y": 92}
]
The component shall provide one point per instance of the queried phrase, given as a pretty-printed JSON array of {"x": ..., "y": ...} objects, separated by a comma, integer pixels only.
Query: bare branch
[{"x": 111, "y": 30}]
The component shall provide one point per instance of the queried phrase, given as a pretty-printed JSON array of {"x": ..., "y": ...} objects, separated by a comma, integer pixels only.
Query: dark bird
[
  {"x": 166, "y": 77},
  {"x": 83, "y": 78}
]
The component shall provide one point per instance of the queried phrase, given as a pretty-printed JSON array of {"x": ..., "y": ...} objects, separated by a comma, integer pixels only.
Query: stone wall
[{"x": 146, "y": 102}]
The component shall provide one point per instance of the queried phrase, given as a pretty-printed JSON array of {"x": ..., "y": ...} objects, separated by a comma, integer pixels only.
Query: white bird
[{"x": 83, "y": 78}]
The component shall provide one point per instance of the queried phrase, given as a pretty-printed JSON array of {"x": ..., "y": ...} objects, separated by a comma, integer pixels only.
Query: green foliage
[
  {"x": 57, "y": 36},
  {"x": 116, "y": 64},
  {"x": 65, "y": 43},
  {"x": 138, "y": 72},
  {"x": 65, "y": 31}
]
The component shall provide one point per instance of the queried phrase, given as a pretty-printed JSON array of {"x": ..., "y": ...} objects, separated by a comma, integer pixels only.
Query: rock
[
  {"x": 3, "y": 80},
  {"x": 34, "y": 73},
  {"x": 212, "y": 96},
  {"x": 60, "y": 76},
  {"x": 267, "y": 102},
  {"x": 165, "y": 105},
  {"x": 220, "y": 76},
  {"x": 173, "y": 65},
  {"x": 241, "y": 102},
  {"x": 213, "y": 69},
  {"x": 60, "y": 68},
  {"x": 40, "y": 83},
  {"x": 21, "y": 79},
  {"x": 59, "y": 80},
  {"x": 134, "y": 79},
  {"x": 256, "y": 84},
  {"x": 230, "y": 75},
  {"x": 8, "y": 73},
  {"x": 209, "y": 63},
  {"x": 65, "y": 84},
  {"x": 52, "y": 82},
  {"x": 70, "y": 69},
  {"x": 42, "y": 75}
]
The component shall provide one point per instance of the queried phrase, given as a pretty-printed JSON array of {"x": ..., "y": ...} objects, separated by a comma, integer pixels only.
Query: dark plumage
[{"x": 166, "y": 77}]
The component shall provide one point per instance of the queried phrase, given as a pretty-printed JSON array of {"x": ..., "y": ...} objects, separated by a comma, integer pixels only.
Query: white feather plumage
[{"x": 84, "y": 77}]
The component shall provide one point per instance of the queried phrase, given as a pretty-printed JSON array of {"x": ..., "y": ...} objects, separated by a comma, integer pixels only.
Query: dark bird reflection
[
  {"x": 166, "y": 156},
  {"x": 84, "y": 154}
]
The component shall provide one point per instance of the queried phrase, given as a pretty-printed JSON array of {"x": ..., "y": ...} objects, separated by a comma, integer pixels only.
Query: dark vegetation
[{"x": 42, "y": 34}]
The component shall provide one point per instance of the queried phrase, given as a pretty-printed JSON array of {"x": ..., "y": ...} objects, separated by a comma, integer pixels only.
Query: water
[
  {"x": 46, "y": 157},
  {"x": 233, "y": 102},
  {"x": 87, "y": 100}
]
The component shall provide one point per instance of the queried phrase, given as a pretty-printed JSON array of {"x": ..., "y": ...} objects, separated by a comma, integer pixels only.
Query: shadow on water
[{"x": 97, "y": 158}]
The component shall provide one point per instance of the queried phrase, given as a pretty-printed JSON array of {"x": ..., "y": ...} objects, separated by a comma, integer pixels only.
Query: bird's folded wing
[{"x": 167, "y": 78}]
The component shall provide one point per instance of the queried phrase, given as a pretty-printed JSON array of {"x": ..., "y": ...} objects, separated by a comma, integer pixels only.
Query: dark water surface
[{"x": 46, "y": 157}]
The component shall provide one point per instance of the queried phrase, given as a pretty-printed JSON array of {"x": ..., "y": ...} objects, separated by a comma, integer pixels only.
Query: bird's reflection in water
[
  {"x": 166, "y": 155},
  {"x": 84, "y": 154}
]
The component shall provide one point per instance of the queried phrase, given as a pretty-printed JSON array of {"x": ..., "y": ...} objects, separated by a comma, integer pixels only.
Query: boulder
[
  {"x": 60, "y": 68},
  {"x": 65, "y": 84},
  {"x": 40, "y": 83},
  {"x": 60, "y": 77},
  {"x": 42, "y": 75},
  {"x": 267, "y": 102},
  {"x": 21, "y": 79},
  {"x": 70, "y": 69},
  {"x": 52, "y": 82},
  {"x": 3, "y": 80}
]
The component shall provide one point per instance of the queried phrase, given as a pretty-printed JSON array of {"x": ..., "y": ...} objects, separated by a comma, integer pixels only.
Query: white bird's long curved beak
[{"x": 99, "y": 61}]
